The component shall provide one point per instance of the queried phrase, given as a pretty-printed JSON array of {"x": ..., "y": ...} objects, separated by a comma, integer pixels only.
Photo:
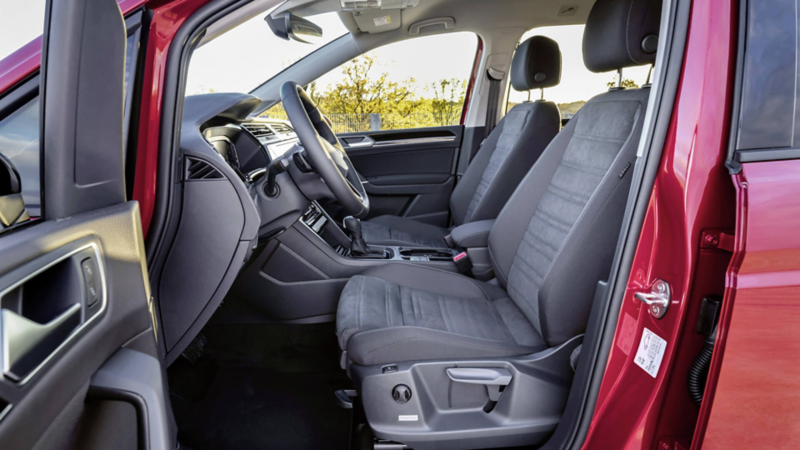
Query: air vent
[
  {"x": 197, "y": 169},
  {"x": 258, "y": 130},
  {"x": 282, "y": 128}
]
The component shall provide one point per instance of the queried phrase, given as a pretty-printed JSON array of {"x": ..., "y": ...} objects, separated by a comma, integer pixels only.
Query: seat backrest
[
  {"x": 556, "y": 237},
  {"x": 517, "y": 141}
]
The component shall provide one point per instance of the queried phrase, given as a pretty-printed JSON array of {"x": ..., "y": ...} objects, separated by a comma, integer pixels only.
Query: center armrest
[{"x": 473, "y": 234}]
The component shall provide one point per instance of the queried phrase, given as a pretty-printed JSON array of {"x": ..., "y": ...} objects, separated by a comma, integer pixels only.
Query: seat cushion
[
  {"x": 394, "y": 230},
  {"x": 402, "y": 312}
]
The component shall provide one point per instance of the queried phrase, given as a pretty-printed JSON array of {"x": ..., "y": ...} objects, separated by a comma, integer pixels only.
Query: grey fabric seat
[
  {"x": 400, "y": 310},
  {"x": 551, "y": 244},
  {"x": 502, "y": 161}
]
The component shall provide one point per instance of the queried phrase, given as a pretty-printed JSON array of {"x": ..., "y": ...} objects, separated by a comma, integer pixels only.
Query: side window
[
  {"x": 416, "y": 83},
  {"x": 767, "y": 108},
  {"x": 19, "y": 142},
  {"x": 578, "y": 84}
]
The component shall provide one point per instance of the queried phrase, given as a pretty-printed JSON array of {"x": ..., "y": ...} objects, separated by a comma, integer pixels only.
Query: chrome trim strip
[
  {"x": 5, "y": 411},
  {"x": 415, "y": 141},
  {"x": 103, "y": 302}
]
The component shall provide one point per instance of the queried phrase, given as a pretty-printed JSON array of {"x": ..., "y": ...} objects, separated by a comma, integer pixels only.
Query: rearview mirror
[{"x": 295, "y": 28}]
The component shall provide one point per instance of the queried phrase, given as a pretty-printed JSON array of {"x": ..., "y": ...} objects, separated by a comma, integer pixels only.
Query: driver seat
[
  {"x": 502, "y": 161},
  {"x": 412, "y": 326}
]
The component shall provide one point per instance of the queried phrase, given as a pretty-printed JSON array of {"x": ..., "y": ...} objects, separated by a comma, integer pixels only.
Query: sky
[{"x": 21, "y": 21}]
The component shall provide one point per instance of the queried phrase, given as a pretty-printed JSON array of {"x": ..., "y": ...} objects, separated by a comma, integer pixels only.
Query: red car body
[{"x": 752, "y": 397}]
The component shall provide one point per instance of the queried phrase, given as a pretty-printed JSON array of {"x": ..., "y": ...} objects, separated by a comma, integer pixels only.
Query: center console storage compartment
[{"x": 426, "y": 254}]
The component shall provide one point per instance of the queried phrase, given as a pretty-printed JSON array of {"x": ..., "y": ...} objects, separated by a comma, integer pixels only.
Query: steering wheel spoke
[{"x": 323, "y": 148}]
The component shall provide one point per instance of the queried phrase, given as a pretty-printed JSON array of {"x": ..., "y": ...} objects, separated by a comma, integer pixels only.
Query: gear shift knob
[
  {"x": 353, "y": 225},
  {"x": 357, "y": 244}
]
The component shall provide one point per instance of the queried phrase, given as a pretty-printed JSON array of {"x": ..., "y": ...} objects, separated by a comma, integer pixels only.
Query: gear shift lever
[{"x": 357, "y": 245}]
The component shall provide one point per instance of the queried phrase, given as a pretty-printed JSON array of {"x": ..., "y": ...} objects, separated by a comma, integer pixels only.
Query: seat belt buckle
[
  {"x": 449, "y": 241},
  {"x": 463, "y": 263}
]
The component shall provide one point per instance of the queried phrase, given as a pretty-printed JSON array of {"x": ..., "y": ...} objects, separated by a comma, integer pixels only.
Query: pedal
[{"x": 194, "y": 350}]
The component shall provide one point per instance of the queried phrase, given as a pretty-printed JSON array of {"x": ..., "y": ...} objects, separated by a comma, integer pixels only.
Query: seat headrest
[
  {"x": 536, "y": 64},
  {"x": 621, "y": 33}
]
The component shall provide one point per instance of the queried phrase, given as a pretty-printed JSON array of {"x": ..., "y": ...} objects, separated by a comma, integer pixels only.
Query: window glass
[
  {"x": 248, "y": 55},
  {"x": 768, "y": 100},
  {"x": 19, "y": 142},
  {"x": 578, "y": 84},
  {"x": 415, "y": 83}
]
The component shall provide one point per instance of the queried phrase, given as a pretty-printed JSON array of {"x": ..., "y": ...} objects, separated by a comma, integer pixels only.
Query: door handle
[{"x": 26, "y": 344}]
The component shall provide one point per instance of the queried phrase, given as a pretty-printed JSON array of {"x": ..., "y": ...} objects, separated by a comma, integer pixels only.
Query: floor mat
[{"x": 245, "y": 395}]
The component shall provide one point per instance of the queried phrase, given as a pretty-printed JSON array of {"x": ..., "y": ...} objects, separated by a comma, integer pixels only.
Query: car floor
[{"x": 260, "y": 386}]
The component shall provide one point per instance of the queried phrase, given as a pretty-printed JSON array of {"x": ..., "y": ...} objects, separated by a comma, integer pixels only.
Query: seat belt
[{"x": 495, "y": 77}]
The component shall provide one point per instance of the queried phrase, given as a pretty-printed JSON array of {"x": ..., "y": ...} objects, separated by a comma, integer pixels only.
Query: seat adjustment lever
[{"x": 492, "y": 378}]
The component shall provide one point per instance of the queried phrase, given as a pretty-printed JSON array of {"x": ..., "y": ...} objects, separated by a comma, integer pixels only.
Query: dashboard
[{"x": 251, "y": 145}]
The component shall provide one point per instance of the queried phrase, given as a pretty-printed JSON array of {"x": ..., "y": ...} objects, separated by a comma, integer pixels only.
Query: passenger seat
[{"x": 505, "y": 157}]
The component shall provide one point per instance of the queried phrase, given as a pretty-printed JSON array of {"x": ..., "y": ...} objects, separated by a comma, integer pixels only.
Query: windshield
[{"x": 243, "y": 58}]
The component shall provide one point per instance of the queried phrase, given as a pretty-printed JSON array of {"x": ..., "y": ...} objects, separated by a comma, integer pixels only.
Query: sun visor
[{"x": 377, "y": 20}]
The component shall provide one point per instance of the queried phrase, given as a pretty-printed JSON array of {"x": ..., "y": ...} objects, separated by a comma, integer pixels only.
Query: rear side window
[{"x": 767, "y": 106}]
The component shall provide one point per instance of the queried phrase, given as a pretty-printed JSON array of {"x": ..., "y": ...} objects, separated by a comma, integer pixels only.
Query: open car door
[{"x": 79, "y": 360}]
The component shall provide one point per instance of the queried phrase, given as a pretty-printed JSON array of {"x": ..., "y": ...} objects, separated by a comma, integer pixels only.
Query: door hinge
[{"x": 717, "y": 239}]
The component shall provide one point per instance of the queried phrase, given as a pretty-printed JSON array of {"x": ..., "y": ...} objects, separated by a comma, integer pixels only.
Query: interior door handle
[{"x": 26, "y": 344}]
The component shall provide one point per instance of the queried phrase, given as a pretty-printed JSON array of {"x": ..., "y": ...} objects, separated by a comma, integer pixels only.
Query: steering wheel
[{"x": 324, "y": 150}]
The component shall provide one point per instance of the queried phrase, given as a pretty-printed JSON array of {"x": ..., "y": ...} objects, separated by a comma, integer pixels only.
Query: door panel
[
  {"x": 112, "y": 237},
  {"x": 80, "y": 366},
  {"x": 408, "y": 173}
]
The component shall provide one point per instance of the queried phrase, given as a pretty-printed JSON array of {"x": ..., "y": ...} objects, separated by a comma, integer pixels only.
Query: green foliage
[
  {"x": 447, "y": 101},
  {"x": 401, "y": 105},
  {"x": 627, "y": 83}
]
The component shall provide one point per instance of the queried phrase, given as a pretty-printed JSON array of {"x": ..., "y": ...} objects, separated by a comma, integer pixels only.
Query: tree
[
  {"x": 361, "y": 93},
  {"x": 627, "y": 83},
  {"x": 447, "y": 101}
]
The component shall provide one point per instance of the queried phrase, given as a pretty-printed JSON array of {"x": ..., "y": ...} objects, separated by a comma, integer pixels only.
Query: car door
[
  {"x": 79, "y": 359},
  {"x": 408, "y": 154}
]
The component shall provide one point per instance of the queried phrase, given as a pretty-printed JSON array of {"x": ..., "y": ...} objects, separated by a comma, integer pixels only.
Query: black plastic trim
[
  {"x": 768, "y": 154},
  {"x": 732, "y": 161}
]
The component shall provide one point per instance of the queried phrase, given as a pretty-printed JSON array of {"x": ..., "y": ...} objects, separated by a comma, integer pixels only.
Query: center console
[
  {"x": 317, "y": 221},
  {"x": 298, "y": 275}
]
